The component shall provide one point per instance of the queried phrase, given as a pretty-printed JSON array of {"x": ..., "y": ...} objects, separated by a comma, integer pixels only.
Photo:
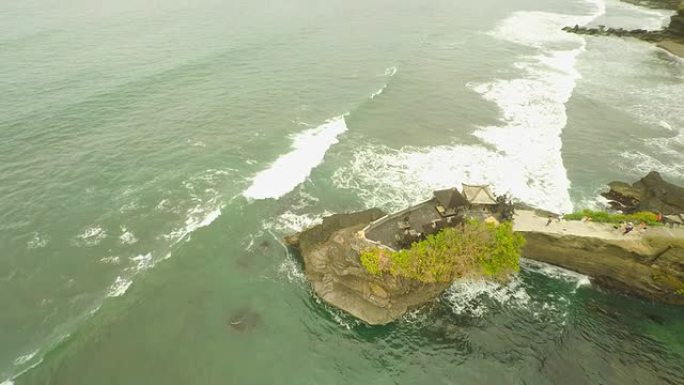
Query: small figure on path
[
  {"x": 642, "y": 227},
  {"x": 629, "y": 228},
  {"x": 549, "y": 221}
]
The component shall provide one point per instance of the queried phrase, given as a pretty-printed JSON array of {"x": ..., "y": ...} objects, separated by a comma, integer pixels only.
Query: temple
[{"x": 447, "y": 208}]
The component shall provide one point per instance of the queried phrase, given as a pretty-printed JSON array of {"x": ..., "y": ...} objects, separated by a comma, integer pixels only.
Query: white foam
[
  {"x": 467, "y": 296},
  {"x": 556, "y": 272},
  {"x": 379, "y": 92},
  {"x": 195, "y": 143},
  {"x": 291, "y": 270},
  {"x": 200, "y": 215},
  {"x": 393, "y": 179},
  {"x": 630, "y": 16},
  {"x": 38, "y": 241},
  {"x": 524, "y": 153},
  {"x": 289, "y": 170},
  {"x": 7, "y": 382},
  {"x": 389, "y": 72},
  {"x": 127, "y": 237},
  {"x": 642, "y": 163},
  {"x": 119, "y": 287},
  {"x": 290, "y": 222},
  {"x": 143, "y": 262},
  {"x": 21, "y": 360},
  {"x": 110, "y": 259},
  {"x": 128, "y": 207},
  {"x": 91, "y": 236},
  {"x": 337, "y": 315}
]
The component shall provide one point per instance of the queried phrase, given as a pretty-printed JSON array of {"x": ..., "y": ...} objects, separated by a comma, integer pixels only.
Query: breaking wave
[
  {"x": 289, "y": 170},
  {"x": 92, "y": 236},
  {"x": 523, "y": 152},
  {"x": 389, "y": 72},
  {"x": 471, "y": 297},
  {"x": 308, "y": 151}
]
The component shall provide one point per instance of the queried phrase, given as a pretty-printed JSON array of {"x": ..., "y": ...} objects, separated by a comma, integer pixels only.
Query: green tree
[{"x": 475, "y": 248}]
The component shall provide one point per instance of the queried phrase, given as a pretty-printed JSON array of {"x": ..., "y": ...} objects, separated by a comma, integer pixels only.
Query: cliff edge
[{"x": 330, "y": 253}]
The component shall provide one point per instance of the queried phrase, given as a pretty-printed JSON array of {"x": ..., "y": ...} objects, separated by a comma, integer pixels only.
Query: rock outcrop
[
  {"x": 651, "y": 268},
  {"x": 670, "y": 38},
  {"x": 677, "y": 21},
  {"x": 649, "y": 264},
  {"x": 651, "y": 193},
  {"x": 642, "y": 34},
  {"x": 330, "y": 253}
]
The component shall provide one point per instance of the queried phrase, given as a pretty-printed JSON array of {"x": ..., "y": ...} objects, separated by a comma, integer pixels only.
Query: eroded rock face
[
  {"x": 649, "y": 268},
  {"x": 330, "y": 253},
  {"x": 651, "y": 193}
]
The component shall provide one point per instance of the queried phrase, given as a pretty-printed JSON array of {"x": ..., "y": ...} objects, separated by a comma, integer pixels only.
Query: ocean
[{"x": 154, "y": 154}]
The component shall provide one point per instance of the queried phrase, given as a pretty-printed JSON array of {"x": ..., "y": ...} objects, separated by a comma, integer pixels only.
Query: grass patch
[
  {"x": 647, "y": 217},
  {"x": 476, "y": 248}
]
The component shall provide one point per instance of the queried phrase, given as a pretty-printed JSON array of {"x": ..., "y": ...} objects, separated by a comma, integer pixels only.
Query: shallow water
[{"x": 140, "y": 139}]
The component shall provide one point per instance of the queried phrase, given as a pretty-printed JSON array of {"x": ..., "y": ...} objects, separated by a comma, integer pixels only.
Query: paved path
[{"x": 529, "y": 221}]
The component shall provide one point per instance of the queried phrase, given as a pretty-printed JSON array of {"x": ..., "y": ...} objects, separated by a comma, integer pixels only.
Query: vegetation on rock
[
  {"x": 603, "y": 217},
  {"x": 476, "y": 248}
]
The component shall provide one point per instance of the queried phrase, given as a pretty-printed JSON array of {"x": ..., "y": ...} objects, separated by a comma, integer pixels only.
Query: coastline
[
  {"x": 670, "y": 38},
  {"x": 672, "y": 46}
]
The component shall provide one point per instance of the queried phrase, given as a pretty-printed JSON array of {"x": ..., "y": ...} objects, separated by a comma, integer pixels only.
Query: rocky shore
[
  {"x": 650, "y": 193},
  {"x": 330, "y": 255},
  {"x": 648, "y": 264},
  {"x": 670, "y": 38}
]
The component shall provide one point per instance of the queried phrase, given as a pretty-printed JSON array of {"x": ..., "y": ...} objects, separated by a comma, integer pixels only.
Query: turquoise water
[{"x": 153, "y": 155}]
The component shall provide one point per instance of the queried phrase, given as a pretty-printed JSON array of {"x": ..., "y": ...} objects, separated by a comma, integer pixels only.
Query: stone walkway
[{"x": 529, "y": 221}]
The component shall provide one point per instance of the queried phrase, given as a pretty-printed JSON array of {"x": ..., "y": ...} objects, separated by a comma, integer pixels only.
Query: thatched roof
[
  {"x": 450, "y": 199},
  {"x": 479, "y": 195}
]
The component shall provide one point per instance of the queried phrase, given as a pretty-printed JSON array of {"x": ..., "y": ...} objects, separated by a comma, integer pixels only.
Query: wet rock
[
  {"x": 651, "y": 193},
  {"x": 330, "y": 253},
  {"x": 651, "y": 268}
]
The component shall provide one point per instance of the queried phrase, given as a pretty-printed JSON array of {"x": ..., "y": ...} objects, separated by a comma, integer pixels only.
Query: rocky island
[{"x": 348, "y": 258}]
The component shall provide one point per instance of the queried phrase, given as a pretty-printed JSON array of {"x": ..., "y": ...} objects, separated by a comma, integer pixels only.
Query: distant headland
[
  {"x": 670, "y": 38},
  {"x": 377, "y": 267}
]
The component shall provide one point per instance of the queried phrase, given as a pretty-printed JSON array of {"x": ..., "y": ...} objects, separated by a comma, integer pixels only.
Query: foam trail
[
  {"x": 523, "y": 156},
  {"x": 119, "y": 287},
  {"x": 291, "y": 169},
  {"x": 389, "y": 72}
]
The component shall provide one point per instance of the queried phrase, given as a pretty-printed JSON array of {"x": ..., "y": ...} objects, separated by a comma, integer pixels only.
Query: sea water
[{"x": 154, "y": 154}]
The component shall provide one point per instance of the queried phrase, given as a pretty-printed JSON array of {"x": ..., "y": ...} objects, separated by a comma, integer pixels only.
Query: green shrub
[
  {"x": 603, "y": 217},
  {"x": 476, "y": 248},
  {"x": 370, "y": 259}
]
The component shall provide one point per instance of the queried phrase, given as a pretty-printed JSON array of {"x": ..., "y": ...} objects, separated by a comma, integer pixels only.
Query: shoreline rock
[
  {"x": 650, "y": 193},
  {"x": 330, "y": 252},
  {"x": 648, "y": 265},
  {"x": 670, "y": 38}
]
